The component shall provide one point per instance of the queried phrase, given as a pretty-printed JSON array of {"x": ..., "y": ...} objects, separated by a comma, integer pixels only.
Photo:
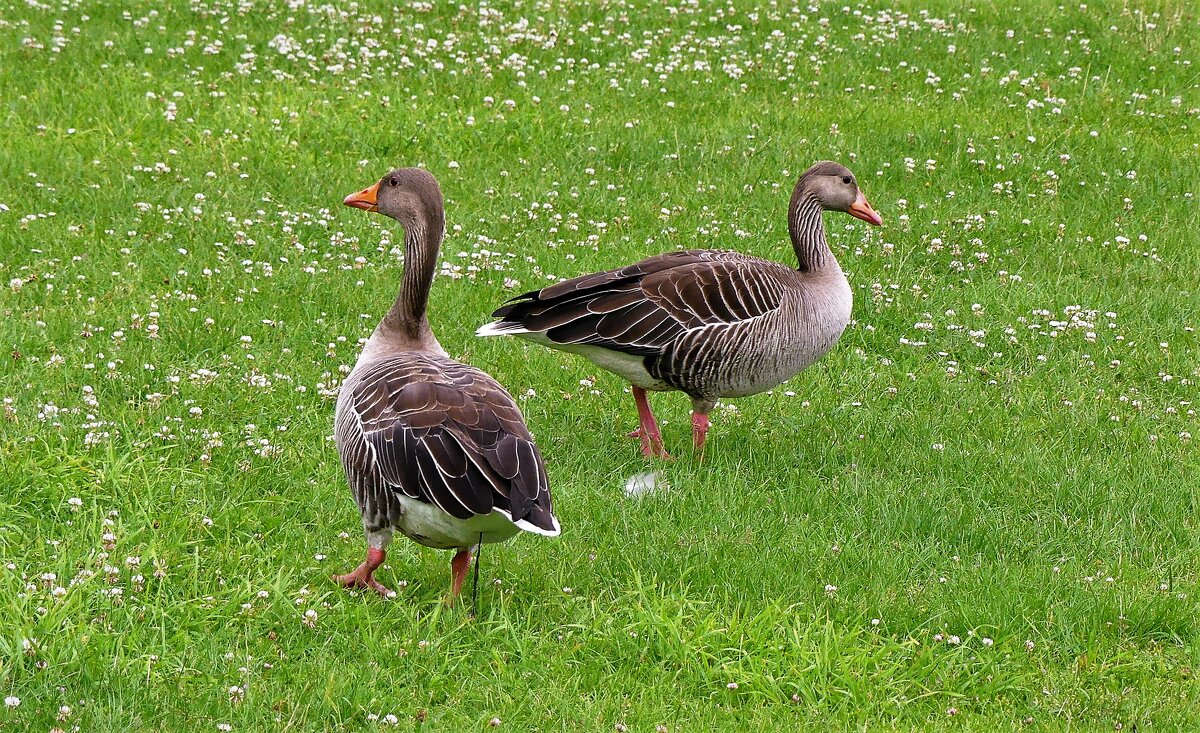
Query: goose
[
  {"x": 431, "y": 447},
  {"x": 708, "y": 323}
]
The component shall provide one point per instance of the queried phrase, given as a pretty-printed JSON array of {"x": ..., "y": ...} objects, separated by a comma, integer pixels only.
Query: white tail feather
[
  {"x": 500, "y": 328},
  {"x": 522, "y": 524}
]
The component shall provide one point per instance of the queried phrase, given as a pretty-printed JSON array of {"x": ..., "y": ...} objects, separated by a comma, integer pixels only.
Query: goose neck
[
  {"x": 407, "y": 316},
  {"x": 807, "y": 230}
]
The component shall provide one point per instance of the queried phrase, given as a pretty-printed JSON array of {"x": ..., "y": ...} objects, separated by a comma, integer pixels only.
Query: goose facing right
[{"x": 709, "y": 323}]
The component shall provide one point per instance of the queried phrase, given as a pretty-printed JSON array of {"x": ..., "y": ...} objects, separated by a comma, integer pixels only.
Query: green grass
[{"x": 1001, "y": 446}]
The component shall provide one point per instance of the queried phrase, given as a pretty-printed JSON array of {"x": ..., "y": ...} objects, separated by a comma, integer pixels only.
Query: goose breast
[{"x": 749, "y": 355}]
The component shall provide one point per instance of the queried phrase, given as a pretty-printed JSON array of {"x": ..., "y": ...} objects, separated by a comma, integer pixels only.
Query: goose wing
[
  {"x": 447, "y": 434},
  {"x": 642, "y": 308}
]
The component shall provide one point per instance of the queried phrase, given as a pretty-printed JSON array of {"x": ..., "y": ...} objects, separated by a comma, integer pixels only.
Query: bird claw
[
  {"x": 651, "y": 448},
  {"x": 655, "y": 450},
  {"x": 357, "y": 579}
]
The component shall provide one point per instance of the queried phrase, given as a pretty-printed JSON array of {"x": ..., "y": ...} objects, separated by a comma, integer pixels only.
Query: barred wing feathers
[
  {"x": 643, "y": 308},
  {"x": 447, "y": 434}
]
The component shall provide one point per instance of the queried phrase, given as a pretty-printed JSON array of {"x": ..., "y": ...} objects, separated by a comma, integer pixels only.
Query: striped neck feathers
[
  {"x": 422, "y": 240},
  {"x": 808, "y": 231}
]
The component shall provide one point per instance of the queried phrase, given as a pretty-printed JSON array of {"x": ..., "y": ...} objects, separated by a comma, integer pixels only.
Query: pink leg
[
  {"x": 699, "y": 430},
  {"x": 458, "y": 567},
  {"x": 363, "y": 575},
  {"x": 652, "y": 444}
]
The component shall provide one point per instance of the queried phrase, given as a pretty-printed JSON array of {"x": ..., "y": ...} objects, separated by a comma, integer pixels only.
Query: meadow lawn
[{"x": 979, "y": 512}]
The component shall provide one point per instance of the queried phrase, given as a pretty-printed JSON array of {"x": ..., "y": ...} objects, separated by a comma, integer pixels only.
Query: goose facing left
[{"x": 431, "y": 447}]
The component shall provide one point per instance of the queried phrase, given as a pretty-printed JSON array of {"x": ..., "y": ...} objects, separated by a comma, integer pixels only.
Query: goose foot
[
  {"x": 458, "y": 569},
  {"x": 655, "y": 449},
  {"x": 699, "y": 431},
  {"x": 652, "y": 442},
  {"x": 363, "y": 576},
  {"x": 651, "y": 451}
]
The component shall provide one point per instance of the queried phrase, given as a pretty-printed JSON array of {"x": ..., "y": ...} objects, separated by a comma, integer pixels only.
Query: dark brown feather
[
  {"x": 446, "y": 433},
  {"x": 643, "y": 308}
]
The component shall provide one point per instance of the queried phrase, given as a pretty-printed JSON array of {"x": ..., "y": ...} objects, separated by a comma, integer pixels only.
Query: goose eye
[
  {"x": 393, "y": 181},
  {"x": 845, "y": 179}
]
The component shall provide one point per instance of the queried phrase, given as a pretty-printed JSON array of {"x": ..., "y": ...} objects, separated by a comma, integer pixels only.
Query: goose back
[
  {"x": 417, "y": 430},
  {"x": 711, "y": 323}
]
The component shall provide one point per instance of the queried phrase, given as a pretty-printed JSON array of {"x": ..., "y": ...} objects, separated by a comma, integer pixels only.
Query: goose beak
[
  {"x": 860, "y": 209},
  {"x": 365, "y": 199}
]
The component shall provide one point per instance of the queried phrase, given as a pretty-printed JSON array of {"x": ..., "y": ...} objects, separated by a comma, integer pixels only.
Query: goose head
[
  {"x": 409, "y": 195},
  {"x": 836, "y": 189}
]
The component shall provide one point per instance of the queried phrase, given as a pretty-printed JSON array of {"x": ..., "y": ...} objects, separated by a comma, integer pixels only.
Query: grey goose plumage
[
  {"x": 709, "y": 323},
  {"x": 431, "y": 447}
]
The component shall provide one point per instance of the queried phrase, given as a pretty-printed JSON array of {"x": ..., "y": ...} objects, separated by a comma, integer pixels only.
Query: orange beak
[
  {"x": 860, "y": 209},
  {"x": 365, "y": 199}
]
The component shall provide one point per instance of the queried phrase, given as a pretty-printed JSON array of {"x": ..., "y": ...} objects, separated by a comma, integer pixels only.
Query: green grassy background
[{"x": 1001, "y": 446}]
